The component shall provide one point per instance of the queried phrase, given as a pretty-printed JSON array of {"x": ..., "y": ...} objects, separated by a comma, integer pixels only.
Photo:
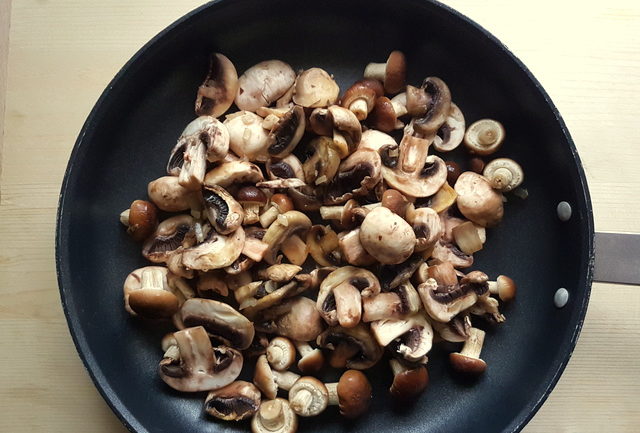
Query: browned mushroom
[{"x": 392, "y": 73}]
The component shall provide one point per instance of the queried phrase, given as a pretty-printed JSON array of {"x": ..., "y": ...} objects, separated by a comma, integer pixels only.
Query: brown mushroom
[
  {"x": 148, "y": 293},
  {"x": 234, "y": 402},
  {"x": 216, "y": 93},
  {"x": 297, "y": 319},
  {"x": 287, "y": 224},
  {"x": 384, "y": 116},
  {"x": 322, "y": 165},
  {"x": 484, "y": 136},
  {"x": 311, "y": 360},
  {"x": 194, "y": 365},
  {"x": 361, "y": 96},
  {"x": 442, "y": 303},
  {"x": 351, "y": 347},
  {"x": 392, "y": 73},
  {"x": 468, "y": 361},
  {"x": 263, "y": 83},
  {"x": 352, "y": 394},
  {"x": 211, "y": 282},
  {"x": 408, "y": 382},
  {"x": 477, "y": 200},
  {"x": 278, "y": 204},
  {"x": 285, "y": 168},
  {"x": 504, "y": 287},
  {"x": 437, "y": 109},
  {"x": 251, "y": 199},
  {"x": 141, "y": 219}
]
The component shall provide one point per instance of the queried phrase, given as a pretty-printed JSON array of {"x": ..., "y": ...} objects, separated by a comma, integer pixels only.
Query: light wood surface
[{"x": 61, "y": 55}]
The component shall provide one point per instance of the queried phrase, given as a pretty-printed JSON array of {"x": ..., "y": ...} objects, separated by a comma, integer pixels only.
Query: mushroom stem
[
  {"x": 302, "y": 399},
  {"x": 124, "y": 217},
  {"x": 399, "y": 103},
  {"x": 332, "y": 389},
  {"x": 501, "y": 178},
  {"x": 303, "y": 348},
  {"x": 375, "y": 70},
  {"x": 396, "y": 366},
  {"x": 172, "y": 352},
  {"x": 152, "y": 279},
  {"x": 271, "y": 414},
  {"x": 487, "y": 137},
  {"x": 295, "y": 250},
  {"x": 348, "y": 304},
  {"x": 473, "y": 346},
  {"x": 331, "y": 212},
  {"x": 359, "y": 108},
  {"x": 269, "y": 216},
  {"x": 285, "y": 379}
]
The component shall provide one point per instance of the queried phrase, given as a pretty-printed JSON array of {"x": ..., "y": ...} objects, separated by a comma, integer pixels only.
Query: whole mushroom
[
  {"x": 263, "y": 83},
  {"x": 387, "y": 237},
  {"x": 477, "y": 200}
]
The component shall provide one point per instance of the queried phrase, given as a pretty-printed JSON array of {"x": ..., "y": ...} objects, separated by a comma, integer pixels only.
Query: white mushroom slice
[
  {"x": 233, "y": 173},
  {"x": 263, "y": 83},
  {"x": 451, "y": 132},
  {"x": 216, "y": 252},
  {"x": 374, "y": 140}
]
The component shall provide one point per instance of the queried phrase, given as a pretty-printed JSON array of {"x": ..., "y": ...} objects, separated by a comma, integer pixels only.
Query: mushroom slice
[
  {"x": 268, "y": 294},
  {"x": 374, "y": 140},
  {"x": 147, "y": 293},
  {"x": 346, "y": 123},
  {"x": 285, "y": 225},
  {"x": 451, "y": 132},
  {"x": 437, "y": 108},
  {"x": 487, "y": 307},
  {"x": 426, "y": 226},
  {"x": 274, "y": 416},
  {"x": 216, "y": 94},
  {"x": 448, "y": 252},
  {"x": 167, "y": 193},
  {"x": 402, "y": 301},
  {"x": 308, "y": 396},
  {"x": 220, "y": 320},
  {"x": 357, "y": 175},
  {"x": 263, "y": 83},
  {"x": 233, "y": 173},
  {"x": 442, "y": 303},
  {"x": 322, "y": 165},
  {"x": 391, "y": 276},
  {"x": 323, "y": 244},
  {"x": 414, "y": 344},
  {"x": 504, "y": 174},
  {"x": 221, "y": 209},
  {"x": 315, "y": 88},
  {"x": 409, "y": 169},
  {"x": 351, "y": 249},
  {"x": 386, "y": 236},
  {"x": 234, "y": 402},
  {"x": 211, "y": 282},
  {"x": 196, "y": 365},
  {"x": 171, "y": 235},
  {"x": 216, "y": 252},
  {"x": 484, "y": 136},
  {"x": 477, "y": 200},
  {"x": 339, "y": 298},
  {"x": 285, "y": 168},
  {"x": 392, "y": 73},
  {"x": 194, "y": 165},
  {"x": 286, "y": 134},
  {"x": 280, "y": 272},
  {"x": 456, "y": 331},
  {"x": 247, "y": 138},
  {"x": 351, "y": 347}
]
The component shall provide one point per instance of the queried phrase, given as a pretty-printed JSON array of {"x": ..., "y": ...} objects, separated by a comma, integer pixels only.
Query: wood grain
[{"x": 61, "y": 55}]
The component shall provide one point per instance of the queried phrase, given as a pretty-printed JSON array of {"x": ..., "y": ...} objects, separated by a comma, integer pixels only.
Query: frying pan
[{"x": 126, "y": 140}]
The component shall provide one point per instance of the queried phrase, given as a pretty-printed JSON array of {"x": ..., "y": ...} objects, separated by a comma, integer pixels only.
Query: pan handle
[{"x": 617, "y": 258}]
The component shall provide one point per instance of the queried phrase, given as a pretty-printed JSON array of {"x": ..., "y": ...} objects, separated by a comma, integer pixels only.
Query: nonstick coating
[{"x": 126, "y": 141}]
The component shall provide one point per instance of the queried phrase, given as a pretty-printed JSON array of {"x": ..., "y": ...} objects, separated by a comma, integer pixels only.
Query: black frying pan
[{"x": 126, "y": 140}]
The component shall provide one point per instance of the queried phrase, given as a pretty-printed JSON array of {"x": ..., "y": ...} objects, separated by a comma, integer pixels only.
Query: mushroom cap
[
  {"x": 477, "y": 200},
  {"x": 409, "y": 383},
  {"x": 223, "y": 212},
  {"x": 386, "y": 236},
  {"x": 308, "y": 396},
  {"x": 200, "y": 367},
  {"x": 504, "y": 174},
  {"x": 414, "y": 344},
  {"x": 484, "y": 136},
  {"x": 395, "y": 72},
  {"x": 251, "y": 195},
  {"x": 216, "y": 252},
  {"x": 263, "y": 378},
  {"x": 167, "y": 193},
  {"x": 449, "y": 252},
  {"x": 286, "y": 225},
  {"x": 311, "y": 362},
  {"x": 351, "y": 249},
  {"x": 315, "y": 88},
  {"x": 218, "y": 319},
  {"x": 383, "y": 117},
  {"x": 247, "y": 137},
  {"x": 142, "y": 219},
  {"x": 506, "y": 288},
  {"x": 302, "y": 323},
  {"x": 357, "y": 95},
  {"x": 171, "y": 234},
  {"x": 427, "y": 227},
  {"x": 234, "y": 402},
  {"x": 322, "y": 165},
  {"x": 233, "y": 173},
  {"x": 280, "y": 272},
  {"x": 374, "y": 140},
  {"x": 263, "y": 83},
  {"x": 281, "y": 353},
  {"x": 467, "y": 365},
  {"x": 451, "y": 132},
  {"x": 216, "y": 93},
  {"x": 442, "y": 303},
  {"x": 274, "y": 416},
  {"x": 147, "y": 293},
  {"x": 354, "y": 393}
]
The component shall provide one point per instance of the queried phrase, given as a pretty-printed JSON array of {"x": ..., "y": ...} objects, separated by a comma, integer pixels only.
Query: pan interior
[{"x": 127, "y": 140}]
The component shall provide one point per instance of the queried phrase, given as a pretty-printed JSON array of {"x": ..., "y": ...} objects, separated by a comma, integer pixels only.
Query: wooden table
[{"x": 61, "y": 54}]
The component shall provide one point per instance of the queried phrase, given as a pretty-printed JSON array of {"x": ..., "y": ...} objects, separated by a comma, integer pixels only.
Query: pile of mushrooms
[{"x": 295, "y": 235}]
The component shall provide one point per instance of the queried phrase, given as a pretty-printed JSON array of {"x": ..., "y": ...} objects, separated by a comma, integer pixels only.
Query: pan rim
[{"x": 90, "y": 363}]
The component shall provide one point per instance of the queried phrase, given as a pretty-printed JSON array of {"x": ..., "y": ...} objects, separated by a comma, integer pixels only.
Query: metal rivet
[
  {"x": 564, "y": 211},
  {"x": 561, "y": 297}
]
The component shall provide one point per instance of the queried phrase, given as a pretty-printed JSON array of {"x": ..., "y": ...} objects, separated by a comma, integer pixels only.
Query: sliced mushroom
[
  {"x": 220, "y": 320},
  {"x": 211, "y": 282},
  {"x": 280, "y": 272},
  {"x": 477, "y": 200},
  {"x": 233, "y": 173},
  {"x": 386, "y": 236},
  {"x": 391, "y": 276},
  {"x": 444, "y": 273},
  {"x": 408, "y": 382},
  {"x": 196, "y": 365},
  {"x": 323, "y": 244},
  {"x": 443, "y": 199},
  {"x": 286, "y": 168},
  {"x": 487, "y": 308},
  {"x": 467, "y": 237},
  {"x": 274, "y": 416},
  {"x": 402, "y": 301},
  {"x": 504, "y": 174},
  {"x": 352, "y": 394},
  {"x": 351, "y": 249},
  {"x": 141, "y": 219},
  {"x": 286, "y": 225},
  {"x": 171, "y": 234},
  {"x": 357, "y": 176},
  {"x": 410, "y": 337},
  {"x": 263, "y": 83},
  {"x": 449, "y": 252},
  {"x": 451, "y": 132},
  {"x": 437, "y": 108},
  {"x": 234, "y": 402},
  {"x": 351, "y": 347},
  {"x": 286, "y": 133},
  {"x": 269, "y": 381},
  {"x": 426, "y": 226},
  {"x": 456, "y": 331},
  {"x": 308, "y": 396},
  {"x": 384, "y": 116},
  {"x": 216, "y": 93},
  {"x": 442, "y": 303},
  {"x": 392, "y": 73},
  {"x": 484, "y": 136},
  {"x": 221, "y": 209},
  {"x": 315, "y": 88},
  {"x": 147, "y": 293},
  {"x": 247, "y": 138},
  {"x": 374, "y": 140},
  {"x": 408, "y": 169},
  {"x": 216, "y": 252},
  {"x": 167, "y": 193},
  {"x": 468, "y": 361}
]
